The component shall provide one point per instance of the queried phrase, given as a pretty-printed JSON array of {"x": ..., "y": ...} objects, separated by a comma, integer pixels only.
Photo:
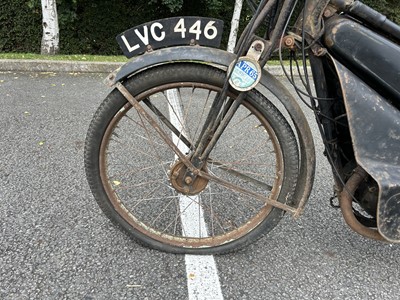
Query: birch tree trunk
[
  {"x": 234, "y": 25},
  {"x": 50, "y": 38}
]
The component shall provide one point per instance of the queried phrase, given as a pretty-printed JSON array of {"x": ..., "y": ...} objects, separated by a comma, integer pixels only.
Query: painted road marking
[{"x": 201, "y": 271}]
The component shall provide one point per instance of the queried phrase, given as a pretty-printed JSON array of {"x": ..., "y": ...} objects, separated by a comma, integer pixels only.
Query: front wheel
[{"x": 140, "y": 183}]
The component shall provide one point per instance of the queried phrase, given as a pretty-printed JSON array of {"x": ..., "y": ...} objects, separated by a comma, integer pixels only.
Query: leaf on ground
[
  {"x": 41, "y": 143},
  {"x": 133, "y": 286},
  {"x": 116, "y": 182}
]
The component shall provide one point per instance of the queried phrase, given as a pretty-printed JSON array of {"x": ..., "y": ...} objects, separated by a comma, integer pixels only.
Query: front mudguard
[{"x": 222, "y": 59}]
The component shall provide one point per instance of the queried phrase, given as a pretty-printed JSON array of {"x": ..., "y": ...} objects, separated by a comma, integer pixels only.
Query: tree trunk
[
  {"x": 234, "y": 25},
  {"x": 50, "y": 38}
]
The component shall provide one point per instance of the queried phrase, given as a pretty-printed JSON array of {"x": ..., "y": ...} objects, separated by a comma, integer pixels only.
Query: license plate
[{"x": 171, "y": 32}]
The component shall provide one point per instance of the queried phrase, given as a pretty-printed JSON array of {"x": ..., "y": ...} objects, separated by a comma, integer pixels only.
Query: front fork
[
  {"x": 223, "y": 107},
  {"x": 251, "y": 49},
  {"x": 220, "y": 115}
]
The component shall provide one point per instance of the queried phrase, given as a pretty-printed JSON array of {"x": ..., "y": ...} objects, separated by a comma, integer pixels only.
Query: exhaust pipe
[{"x": 346, "y": 200}]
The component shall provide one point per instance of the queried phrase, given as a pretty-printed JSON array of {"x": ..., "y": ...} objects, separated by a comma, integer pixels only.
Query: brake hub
[{"x": 185, "y": 182}]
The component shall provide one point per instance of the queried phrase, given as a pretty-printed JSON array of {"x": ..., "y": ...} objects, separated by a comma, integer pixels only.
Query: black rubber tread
[{"x": 177, "y": 73}]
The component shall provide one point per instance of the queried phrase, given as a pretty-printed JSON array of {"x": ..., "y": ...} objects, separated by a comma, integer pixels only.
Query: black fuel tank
[{"x": 372, "y": 57}]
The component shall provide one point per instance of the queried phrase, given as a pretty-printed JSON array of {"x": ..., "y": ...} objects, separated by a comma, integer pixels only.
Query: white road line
[
  {"x": 201, "y": 271},
  {"x": 203, "y": 281}
]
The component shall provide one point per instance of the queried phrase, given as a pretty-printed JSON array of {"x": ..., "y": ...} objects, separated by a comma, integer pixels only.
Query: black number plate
[{"x": 171, "y": 32}]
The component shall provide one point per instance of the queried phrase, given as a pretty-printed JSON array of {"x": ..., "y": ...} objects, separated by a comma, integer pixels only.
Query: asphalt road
[{"x": 55, "y": 243}]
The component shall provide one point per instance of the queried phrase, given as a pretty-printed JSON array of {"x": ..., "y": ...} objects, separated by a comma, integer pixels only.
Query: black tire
[{"x": 132, "y": 172}]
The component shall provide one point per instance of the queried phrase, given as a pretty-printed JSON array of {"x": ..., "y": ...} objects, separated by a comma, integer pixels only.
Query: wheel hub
[{"x": 185, "y": 182}]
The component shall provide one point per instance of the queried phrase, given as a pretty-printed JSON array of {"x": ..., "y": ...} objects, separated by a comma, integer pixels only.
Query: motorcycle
[{"x": 201, "y": 151}]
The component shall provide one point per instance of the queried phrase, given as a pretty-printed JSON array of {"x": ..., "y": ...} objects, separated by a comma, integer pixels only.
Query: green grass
[{"x": 74, "y": 57}]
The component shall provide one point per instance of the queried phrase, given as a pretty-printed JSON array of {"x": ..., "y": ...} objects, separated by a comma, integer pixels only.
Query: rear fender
[{"x": 222, "y": 59}]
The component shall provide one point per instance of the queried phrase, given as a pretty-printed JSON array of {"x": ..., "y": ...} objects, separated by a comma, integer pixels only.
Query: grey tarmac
[{"x": 55, "y": 243}]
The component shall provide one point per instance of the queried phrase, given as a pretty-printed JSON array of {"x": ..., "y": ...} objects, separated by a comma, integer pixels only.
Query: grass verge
[{"x": 72, "y": 57}]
